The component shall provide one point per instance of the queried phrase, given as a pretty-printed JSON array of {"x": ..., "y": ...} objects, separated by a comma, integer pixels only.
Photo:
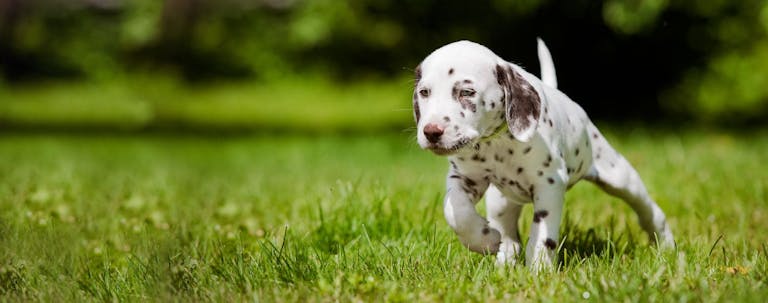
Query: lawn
[{"x": 154, "y": 217}]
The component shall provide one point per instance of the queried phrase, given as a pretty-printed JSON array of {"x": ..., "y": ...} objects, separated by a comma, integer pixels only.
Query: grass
[{"x": 355, "y": 218}]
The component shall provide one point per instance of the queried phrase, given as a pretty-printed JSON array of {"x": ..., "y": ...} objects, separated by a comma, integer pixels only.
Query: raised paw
[{"x": 484, "y": 241}]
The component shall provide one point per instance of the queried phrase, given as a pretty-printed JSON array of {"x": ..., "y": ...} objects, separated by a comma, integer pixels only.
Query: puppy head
[{"x": 464, "y": 93}]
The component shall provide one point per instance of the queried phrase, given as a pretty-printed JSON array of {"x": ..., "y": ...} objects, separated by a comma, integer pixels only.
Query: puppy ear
[
  {"x": 416, "y": 112},
  {"x": 522, "y": 102}
]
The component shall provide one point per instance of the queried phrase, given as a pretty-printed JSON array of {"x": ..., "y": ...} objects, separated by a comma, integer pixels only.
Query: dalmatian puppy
[{"x": 519, "y": 140}]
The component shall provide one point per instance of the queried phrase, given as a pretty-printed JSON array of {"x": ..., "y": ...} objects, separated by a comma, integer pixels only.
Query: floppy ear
[
  {"x": 416, "y": 112},
  {"x": 522, "y": 102}
]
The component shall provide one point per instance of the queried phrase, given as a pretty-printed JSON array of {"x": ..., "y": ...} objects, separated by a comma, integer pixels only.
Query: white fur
[
  {"x": 537, "y": 164},
  {"x": 547, "y": 67}
]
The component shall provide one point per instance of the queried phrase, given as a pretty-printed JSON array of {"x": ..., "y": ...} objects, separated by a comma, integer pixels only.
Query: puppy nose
[{"x": 433, "y": 132}]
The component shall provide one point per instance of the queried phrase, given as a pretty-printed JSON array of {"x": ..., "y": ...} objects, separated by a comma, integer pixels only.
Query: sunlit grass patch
[{"x": 324, "y": 218}]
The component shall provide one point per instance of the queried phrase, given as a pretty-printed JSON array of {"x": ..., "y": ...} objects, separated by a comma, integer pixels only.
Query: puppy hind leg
[
  {"x": 614, "y": 175},
  {"x": 503, "y": 215}
]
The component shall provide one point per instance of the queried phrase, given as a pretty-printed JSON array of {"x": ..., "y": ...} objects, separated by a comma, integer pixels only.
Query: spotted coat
[{"x": 516, "y": 139}]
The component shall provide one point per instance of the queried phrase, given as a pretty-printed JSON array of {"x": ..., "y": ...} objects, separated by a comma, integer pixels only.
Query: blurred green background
[
  {"x": 345, "y": 65},
  {"x": 233, "y": 150}
]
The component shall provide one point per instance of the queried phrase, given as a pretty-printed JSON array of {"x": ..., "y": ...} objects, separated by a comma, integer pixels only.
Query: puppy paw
[
  {"x": 509, "y": 250},
  {"x": 483, "y": 241},
  {"x": 664, "y": 240}
]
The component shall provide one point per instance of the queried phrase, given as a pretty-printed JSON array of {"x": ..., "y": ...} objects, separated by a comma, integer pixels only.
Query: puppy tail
[{"x": 548, "y": 75}]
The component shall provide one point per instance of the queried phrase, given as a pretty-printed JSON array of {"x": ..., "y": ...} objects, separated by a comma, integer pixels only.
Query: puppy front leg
[
  {"x": 503, "y": 215},
  {"x": 541, "y": 250},
  {"x": 459, "y": 210}
]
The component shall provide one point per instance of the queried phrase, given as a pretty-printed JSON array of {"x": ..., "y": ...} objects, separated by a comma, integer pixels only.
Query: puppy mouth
[{"x": 441, "y": 150}]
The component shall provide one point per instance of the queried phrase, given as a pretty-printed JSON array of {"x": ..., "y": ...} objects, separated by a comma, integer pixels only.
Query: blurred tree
[
  {"x": 702, "y": 58},
  {"x": 732, "y": 85},
  {"x": 41, "y": 39}
]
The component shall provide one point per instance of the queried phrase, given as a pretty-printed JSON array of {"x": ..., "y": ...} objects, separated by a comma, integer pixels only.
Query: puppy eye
[
  {"x": 467, "y": 93},
  {"x": 424, "y": 92}
]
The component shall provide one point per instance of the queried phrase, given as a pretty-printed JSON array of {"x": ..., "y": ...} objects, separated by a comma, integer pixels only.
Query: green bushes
[{"x": 712, "y": 70}]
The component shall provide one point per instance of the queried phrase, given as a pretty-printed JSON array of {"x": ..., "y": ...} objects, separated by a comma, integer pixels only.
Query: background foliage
[
  {"x": 342, "y": 205},
  {"x": 662, "y": 58}
]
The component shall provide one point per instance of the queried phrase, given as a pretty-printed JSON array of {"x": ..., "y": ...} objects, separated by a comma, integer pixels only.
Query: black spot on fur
[
  {"x": 417, "y": 73},
  {"x": 550, "y": 181},
  {"x": 470, "y": 191},
  {"x": 540, "y": 173},
  {"x": 498, "y": 158},
  {"x": 450, "y": 71},
  {"x": 469, "y": 182},
  {"x": 527, "y": 150},
  {"x": 462, "y": 114},
  {"x": 416, "y": 111},
  {"x": 453, "y": 164},
  {"x": 486, "y": 231},
  {"x": 511, "y": 151},
  {"x": 537, "y": 216},
  {"x": 467, "y": 81},
  {"x": 464, "y": 101},
  {"x": 460, "y": 158},
  {"x": 519, "y": 170},
  {"x": 476, "y": 157},
  {"x": 577, "y": 152},
  {"x": 447, "y": 119},
  {"x": 550, "y": 244}
]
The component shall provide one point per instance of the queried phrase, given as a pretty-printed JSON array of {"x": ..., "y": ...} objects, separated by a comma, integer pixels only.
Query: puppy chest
[{"x": 515, "y": 168}]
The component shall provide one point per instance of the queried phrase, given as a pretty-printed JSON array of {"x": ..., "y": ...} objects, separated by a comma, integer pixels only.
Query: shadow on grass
[{"x": 604, "y": 242}]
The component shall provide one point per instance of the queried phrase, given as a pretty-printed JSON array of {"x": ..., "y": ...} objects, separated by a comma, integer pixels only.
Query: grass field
[{"x": 356, "y": 218}]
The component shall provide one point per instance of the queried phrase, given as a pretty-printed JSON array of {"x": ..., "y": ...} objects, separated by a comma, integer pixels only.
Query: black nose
[{"x": 433, "y": 132}]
